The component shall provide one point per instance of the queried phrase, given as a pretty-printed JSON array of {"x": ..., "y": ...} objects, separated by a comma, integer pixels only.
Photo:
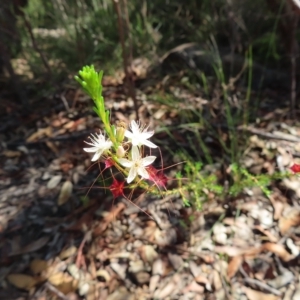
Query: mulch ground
[{"x": 63, "y": 237}]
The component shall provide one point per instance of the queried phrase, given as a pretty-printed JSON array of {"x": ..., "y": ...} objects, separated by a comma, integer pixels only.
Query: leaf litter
[{"x": 58, "y": 243}]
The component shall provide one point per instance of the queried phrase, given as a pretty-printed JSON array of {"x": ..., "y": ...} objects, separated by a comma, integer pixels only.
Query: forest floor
[{"x": 56, "y": 243}]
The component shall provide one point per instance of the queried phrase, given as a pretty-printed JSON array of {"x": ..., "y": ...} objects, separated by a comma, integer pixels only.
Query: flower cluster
[
  {"x": 120, "y": 146},
  {"x": 131, "y": 160}
]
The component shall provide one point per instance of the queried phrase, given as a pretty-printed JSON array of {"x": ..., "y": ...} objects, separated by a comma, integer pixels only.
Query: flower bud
[
  {"x": 121, "y": 152},
  {"x": 120, "y": 131}
]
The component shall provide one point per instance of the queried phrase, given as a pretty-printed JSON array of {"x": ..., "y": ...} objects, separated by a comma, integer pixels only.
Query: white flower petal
[
  {"x": 134, "y": 126},
  {"x": 132, "y": 174},
  {"x": 125, "y": 162},
  {"x": 96, "y": 156},
  {"x": 92, "y": 144},
  {"x": 148, "y": 160},
  {"x": 147, "y": 134},
  {"x": 135, "y": 153},
  {"x": 99, "y": 145},
  {"x": 139, "y": 136},
  {"x": 149, "y": 144},
  {"x": 137, "y": 164},
  {"x": 93, "y": 149},
  {"x": 135, "y": 142},
  {"x": 128, "y": 134},
  {"x": 142, "y": 172}
]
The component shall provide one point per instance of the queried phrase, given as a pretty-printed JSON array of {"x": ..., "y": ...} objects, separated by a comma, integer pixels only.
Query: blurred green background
[{"x": 73, "y": 33}]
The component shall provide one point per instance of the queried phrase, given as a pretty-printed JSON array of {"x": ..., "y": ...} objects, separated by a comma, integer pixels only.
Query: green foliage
[
  {"x": 243, "y": 179},
  {"x": 268, "y": 44},
  {"x": 200, "y": 184},
  {"x": 91, "y": 82},
  {"x": 74, "y": 32},
  {"x": 86, "y": 30}
]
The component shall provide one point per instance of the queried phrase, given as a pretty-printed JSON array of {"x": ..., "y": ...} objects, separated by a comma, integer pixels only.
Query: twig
[
  {"x": 269, "y": 135},
  {"x": 65, "y": 102},
  {"x": 87, "y": 236},
  {"x": 225, "y": 287},
  {"x": 293, "y": 57},
  {"x": 54, "y": 290},
  {"x": 108, "y": 219},
  {"x": 125, "y": 5},
  {"x": 258, "y": 283},
  {"x": 35, "y": 45},
  {"x": 8, "y": 36},
  {"x": 14, "y": 78},
  {"x": 262, "y": 285}
]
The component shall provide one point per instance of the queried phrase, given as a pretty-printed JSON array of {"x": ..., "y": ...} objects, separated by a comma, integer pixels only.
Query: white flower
[
  {"x": 99, "y": 145},
  {"x": 137, "y": 164},
  {"x": 139, "y": 136}
]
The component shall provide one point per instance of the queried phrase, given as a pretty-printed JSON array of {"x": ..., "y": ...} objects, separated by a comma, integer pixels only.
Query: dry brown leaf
[
  {"x": 10, "y": 153},
  {"x": 109, "y": 218},
  {"x": 59, "y": 122},
  {"x": 195, "y": 268},
  {"x": 230, "y": 250},
  {"x": 278, "y": 250},
  {"x": 291, "y": 220},
  {"x": 84, "y": 222},
  {"x": 256, "y": 295},
  {"x": 217, "y": 281},
  {"x": 166, "y": 290},
  {"x": 278, "y": 207},
  {"x": 202, "y": 280},
  {"x": 234, "y": 265},
  {"x": 68, "y": 252},
  {"x": 52, "y": 146},
  {"x": 40, "y": 134},
  {"x": 65, "y": 192},
  {"x": 22, "y": 281},
  {"x": 94, "y": 293},
  {"x": 64, "y": 282},
  {"x": 54, "y": 181},
  {"x": 34, "y": 246},
  {"x": 193, "y": 287},
  {"x": 208, "y": 259},
  {"x": 37, "y": 266},
  {"x": 247, "y": 206},
  {"x": 267, "y": 233},
  {"x": 73, "y": 125},
  {"x": 69, "y": 124},
  {"x": 154, "y": 280}
]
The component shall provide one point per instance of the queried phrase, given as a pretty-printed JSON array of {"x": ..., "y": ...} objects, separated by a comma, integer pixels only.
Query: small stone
[
  {"x": 148, "y": 253},
  {"x": 136, "y": 266},
  {"x": 165, "y": 237},
  {"x": 142, "y": 277}
]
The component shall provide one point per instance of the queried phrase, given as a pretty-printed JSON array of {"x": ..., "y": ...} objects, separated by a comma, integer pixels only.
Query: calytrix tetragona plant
[{"x": 120, "y": 146}]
